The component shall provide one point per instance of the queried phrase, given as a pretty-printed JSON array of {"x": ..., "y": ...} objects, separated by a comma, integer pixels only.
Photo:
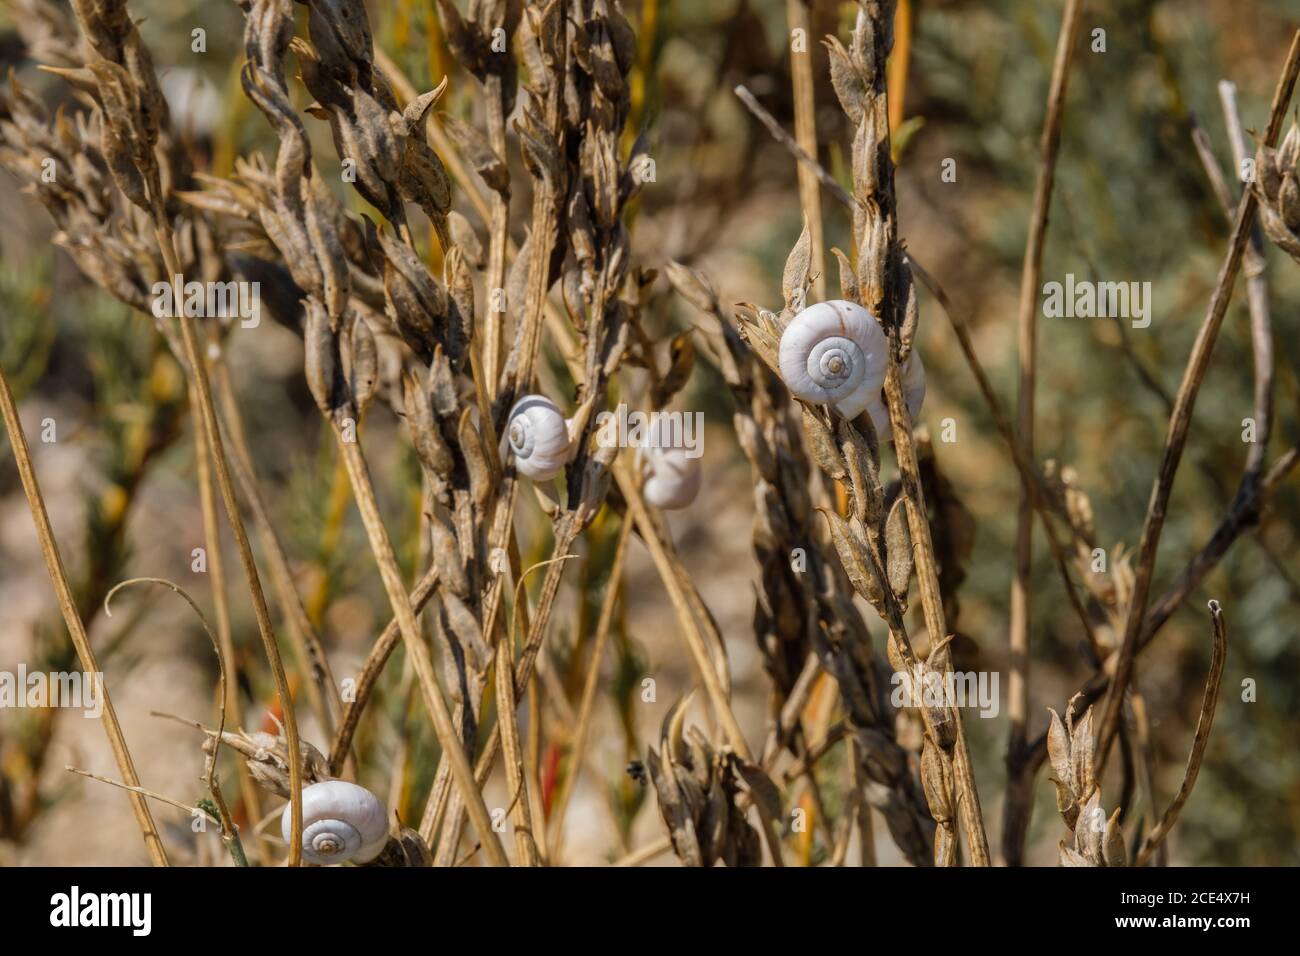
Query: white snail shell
[
  {"x": 835, "y": 353},
  {"x": 538, "y": 437},
  {"x": 913, "y": 396},
  {"x": 672, "y": 480},
  {"x": 340, "y": 822}
]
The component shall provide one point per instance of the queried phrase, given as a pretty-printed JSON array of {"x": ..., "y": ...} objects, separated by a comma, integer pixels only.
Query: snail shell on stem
[
  {"x": 672, "y": 473},
  {"x": 672, "y": 480},
  {"x": 540, "y": 438},
  {"x": 835, "y": 353},
  {"x": 340, "y": 822}
]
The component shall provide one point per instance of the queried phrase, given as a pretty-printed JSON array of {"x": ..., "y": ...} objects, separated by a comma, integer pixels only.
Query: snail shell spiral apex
[
  {"x": 834, "y": 353},
  {"x": 538, "y": 436},
  {"x": 340, "y": 822}
]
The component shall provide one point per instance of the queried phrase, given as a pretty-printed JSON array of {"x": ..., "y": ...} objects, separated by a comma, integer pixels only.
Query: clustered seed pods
[{"x": 1277, "y": 184}]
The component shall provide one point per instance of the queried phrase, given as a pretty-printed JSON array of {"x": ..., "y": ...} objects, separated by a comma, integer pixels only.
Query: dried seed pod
[
  {"x": 898, "y": 550},
  {"x": 834, "y": 353},
  {"x": 1277, "y": 184},
  {"x": 340, "y": 822}
]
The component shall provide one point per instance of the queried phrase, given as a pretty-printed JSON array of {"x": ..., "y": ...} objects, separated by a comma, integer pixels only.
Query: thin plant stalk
[
  {"x": 1015, "y": 817},
  {"x": 805, "y": 128},
  {"x": 224, "y": 643},
  {"x": 1180, "y": 421},
  {"x": 211, "y": 433},
  {"x": 587, "y": 703},
  {"x": 68, "y": 608},
  {"x": 364, "y": 493},
  {"x": 322, "y": 689}
]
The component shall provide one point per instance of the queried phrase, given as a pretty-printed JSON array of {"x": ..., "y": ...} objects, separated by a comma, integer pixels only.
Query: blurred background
[{"x": 968, "y": 83}]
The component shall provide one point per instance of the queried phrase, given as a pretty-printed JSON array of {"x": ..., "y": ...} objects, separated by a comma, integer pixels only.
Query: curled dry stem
[
  {"x": 229, "y": 832},
  {"x": 1199, "y": 741}
]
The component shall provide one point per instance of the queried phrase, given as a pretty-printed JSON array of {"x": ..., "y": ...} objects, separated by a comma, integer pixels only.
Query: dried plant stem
[
  {"x": 805, "y": 128},
  {"x": 215, "y": 562},
  {"x": 1240, "y": 516},
  {"x": 380, "y": 652},
  {"x": 1027, "y": 470},
  {"x": 68, "y": 607},
  {"x": 322, "y": 688},
  {"x": 364, "y": 493},
  {"x": 695, "y": 641},
  {"x": 927, "y": 576},
  {"x": 521, "y": 810},
  {"x": 1180, "y": 421},
  {"x": 142, "y": 792},
  {"x": 498, "y": 237},
  {"x": 1199, "y": 741},
  {"x": 858, "y": 782},
  {"x": 224, "y": 644},
  {"x": 1015, "y": 818},
  {"x": 229, "y": 833},
  {"x": 566, "y": 533},
  {"x": 646, "y": 853},
  {"x": 1261, "y": 330},
  {"x": 799, "y": 153},
  {"x": 587, "y": 704},
  {"x": 211, "y": 433}
]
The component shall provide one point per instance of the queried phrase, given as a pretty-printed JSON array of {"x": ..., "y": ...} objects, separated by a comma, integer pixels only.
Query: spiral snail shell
[
  {"x": 539, "y": 437},
  {"x": 340, "y": 822},
  {"x": 672, "y": 480},
  {"x": 834, "y": 353}
]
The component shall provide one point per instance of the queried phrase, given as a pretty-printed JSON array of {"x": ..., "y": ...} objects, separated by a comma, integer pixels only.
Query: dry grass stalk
[
  {"x": 805, "y": 127},
  {"x": 68, "y": 608},
  {"x": 1180, "y": 419},
  {"x": 1015, "y": 814}
]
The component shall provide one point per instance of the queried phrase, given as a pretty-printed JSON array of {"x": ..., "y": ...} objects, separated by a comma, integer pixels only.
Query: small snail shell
[
  {"x": 340, "y": 821},
  {"x": 913, "y": 397},
  {"x": 539, "y": 438},
  {"x": 672, "y": 480},
  {"x": 834, "y": 353}
]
